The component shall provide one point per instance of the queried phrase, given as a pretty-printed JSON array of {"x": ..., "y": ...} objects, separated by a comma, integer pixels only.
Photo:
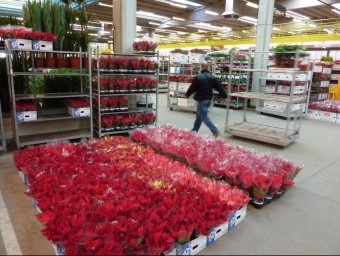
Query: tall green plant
[
  {"x": 47, "y": 16},
  {"x": 32, "y": 15},
  {"x": 58, "y": 24}
]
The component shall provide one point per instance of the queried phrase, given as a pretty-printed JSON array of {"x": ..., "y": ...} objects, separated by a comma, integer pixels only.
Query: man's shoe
[{"x": 216, "y": 134}]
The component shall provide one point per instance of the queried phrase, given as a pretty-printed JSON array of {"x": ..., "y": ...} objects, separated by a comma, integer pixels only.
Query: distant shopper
[{"x": 203, "y": 85}]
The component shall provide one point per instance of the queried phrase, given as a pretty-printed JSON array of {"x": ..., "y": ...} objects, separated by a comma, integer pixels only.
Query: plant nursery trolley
[{"x": 266, "y": 128}]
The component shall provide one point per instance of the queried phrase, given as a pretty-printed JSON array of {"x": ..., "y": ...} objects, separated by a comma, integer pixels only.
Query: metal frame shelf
[
  {"x": 2, "y": 133},
  {"x": 48, "y": 126},
  {"x": 132, "y": 96},
  {"x": 268, "y": 130}
]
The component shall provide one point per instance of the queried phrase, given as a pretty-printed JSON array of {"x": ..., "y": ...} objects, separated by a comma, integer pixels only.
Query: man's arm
[
  {"x": 220, "y": 89},
  {"x": 192, "y": 88}
]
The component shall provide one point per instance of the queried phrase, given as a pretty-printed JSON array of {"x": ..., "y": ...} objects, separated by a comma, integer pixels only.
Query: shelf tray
[
  {"x": 263, "y": 133},
  {"x": 52, "y": 137},
  {"x": 50, "y": 95},
  {"x": 280, "y": 113},
  {"x": 271, "y": 97}
]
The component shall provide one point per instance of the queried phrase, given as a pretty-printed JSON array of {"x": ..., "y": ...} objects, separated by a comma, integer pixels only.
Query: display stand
[
  {"x": 118, "y": 81},
  {"x": 291, "y": 106},
  {"x": 47, "y": 124},
  {"x": 176, "y": 98}
]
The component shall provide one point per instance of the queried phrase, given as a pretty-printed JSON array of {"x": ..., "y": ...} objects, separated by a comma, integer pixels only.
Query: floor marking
[{"x": 7, "y": 232}]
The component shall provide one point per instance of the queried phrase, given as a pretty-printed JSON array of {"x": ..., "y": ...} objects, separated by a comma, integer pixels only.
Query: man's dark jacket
[{"x": 203, "y": 84}]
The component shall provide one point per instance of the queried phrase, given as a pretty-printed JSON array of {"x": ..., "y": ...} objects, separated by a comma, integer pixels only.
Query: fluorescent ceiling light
[
  {"x": 178, "y": 18},
  {"x": 248, "y": 19},
  {"x": 202, "y": 31},
  {"x": 297, "y": 20},
  {"x": 336, "y": 11},
  {"x": 181, "y": 33},
  {"x": 111, "y": 42},
  {"x": 211, "y": 13},
  {"x": 208, "y": 26},
  {"x": 296, "y": 15},
  {"x": 277, "y": 29},
  {"x": 336, "y": 6},
  {"x": 154, "y": 23},
  {"x": 150, "y": 15},
  {"x": 106, "y": 22},
  {"x": 107, "y": 5},
  {"x": 252, "y": 5},
  {"x": 187, "y": 2},
  {"x": 216, "y": 38},
  {"x": 178, "y": 5}
]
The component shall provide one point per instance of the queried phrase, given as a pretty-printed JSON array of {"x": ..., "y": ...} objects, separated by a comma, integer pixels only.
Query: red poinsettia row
[
  {"x": 21, "y": 33},
  {"x": 144, "y": 46},
  {"x": 113, "y": 197},
  {"x": 125, "y": 83},
  {"x": 326, "y": 105},
  {"x": 78, "y": 103},
  {"x": 260, "y": 175},
  {"x": 181, "y": 79},
  {"x": 112, "y": 103},
  {"x": 120, "y": 63},
  {"x": 126, "y": 121},
  {"x": 25, "y": 105}
]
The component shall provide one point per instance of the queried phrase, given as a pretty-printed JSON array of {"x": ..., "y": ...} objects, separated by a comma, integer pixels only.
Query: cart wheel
[
  {"x": 170, "y": 108},
  {"x": 194, "y": 112}
]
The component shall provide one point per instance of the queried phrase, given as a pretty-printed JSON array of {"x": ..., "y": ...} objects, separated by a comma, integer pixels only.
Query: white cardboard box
[
  {"x": 186, "y": 102},
  {"x": 40, "y": 45},
  {"x": 317, "y": 69},
  {"x": 313, "y": 114},
  {"x": 336, "y": 67},
  {"x": 179, "y": 58},
  {"x": 192, "y": 247},
  {"x": 328, "y": 116},
  {"x": 26, "y": 116},
  {"x": 335, "y": 76},
  {"x": 183, "y": 87},
  {"x": 19, "y": 44},
  {"x": 327, "y": 70},
  {"x": 217, "y": 232},
  {"x": 172, "y": 86},
  {"x": 196, "y": 57},
  {"x": 78, "y": 112},
  {"x": 270, "y": 89},
  {"x": 236, "y": 217},
  {"x": 324, "y": 84}
]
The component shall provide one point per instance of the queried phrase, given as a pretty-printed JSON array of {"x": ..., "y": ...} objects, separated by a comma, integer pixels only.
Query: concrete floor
[{"x": 303, "y": 221}]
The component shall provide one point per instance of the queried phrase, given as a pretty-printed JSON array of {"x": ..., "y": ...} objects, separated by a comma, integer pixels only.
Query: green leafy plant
[
  {"x": 326, "y": 58},
  {"x": 284, "y": 54}
]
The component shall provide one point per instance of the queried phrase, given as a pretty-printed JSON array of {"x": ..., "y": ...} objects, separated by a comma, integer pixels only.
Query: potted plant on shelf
[{"x": 284, "y": 55}]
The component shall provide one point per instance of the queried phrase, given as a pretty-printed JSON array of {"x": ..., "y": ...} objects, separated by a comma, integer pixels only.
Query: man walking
[{"x": 203, "y": 85}]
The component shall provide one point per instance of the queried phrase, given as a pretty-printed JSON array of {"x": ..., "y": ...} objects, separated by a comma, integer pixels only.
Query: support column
[
  {"x": 124, "y": 25},
  {"x": 263, "y": 34}
]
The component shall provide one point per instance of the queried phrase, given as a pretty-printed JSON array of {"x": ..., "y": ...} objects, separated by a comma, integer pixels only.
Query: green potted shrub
[{"x": 284, "y": 55}]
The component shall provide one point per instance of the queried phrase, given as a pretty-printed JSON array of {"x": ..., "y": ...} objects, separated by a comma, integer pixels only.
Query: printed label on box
[
  {"x": 78, "y": 112},
  {"x": 236, "y": 217},
  {"x": 42, "y": 45},
  {"x": 192, "y": 247},
  {"x": 20, "y": 44},
  {"x": 313, "y": 114},
  {"x": 26, "y": 116},
  {"x": 336, "y": 67},
  {"x": 179, "y": 57},
  {"x": 217, "y": 232},
  {"x": 317, "y": 69},
  {"x": 327, "y": 70},
  {"x": 196, "y": 57}
]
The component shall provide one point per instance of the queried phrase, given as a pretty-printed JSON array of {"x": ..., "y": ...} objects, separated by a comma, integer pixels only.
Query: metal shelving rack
[
  {"x": 132, "y": 101},
  {"x": 52, "y": 124},
  {"x": 278, "y": 132},
  {"x": 164, "y": 65},
  {"x": 181, "y": 69}
]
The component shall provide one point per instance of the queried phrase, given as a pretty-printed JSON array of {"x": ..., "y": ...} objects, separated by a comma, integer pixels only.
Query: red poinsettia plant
[
  {"x": 78, "y": 103},
  {"x": 181, "y": 51},
  {"x": 25, "y": 105},
  {"x": 197, "y": 50}
]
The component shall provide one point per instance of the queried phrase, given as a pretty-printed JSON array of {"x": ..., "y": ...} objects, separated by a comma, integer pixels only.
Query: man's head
[{"x": 205, "y": 66}]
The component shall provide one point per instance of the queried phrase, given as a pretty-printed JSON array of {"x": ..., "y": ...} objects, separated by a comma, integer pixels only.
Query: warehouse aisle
[{"x": 292, "y": 224}]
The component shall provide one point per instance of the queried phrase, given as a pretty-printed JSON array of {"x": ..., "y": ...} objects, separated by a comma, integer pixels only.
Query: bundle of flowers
[
  {"x": 325, "y": 105},
  {"x": 133, "y": 64},
  {"x": 261, "y": 175},
  {"x": 22, "y": 33},
  {"x": 174, "y": 78},
  {"x": 121, "y": 63},
  {"x": 132, "y": 84},
  {"x": 113, "y": 197},
  {"x": 104, "y": 82},
  {"x": 104, "y": 62},
  {"x": 318, "y": 76},
  {"x": 197, "y": 50},
  {"x": 144, "y": 46},
  {"x": 240, "y": 57},
  {"x": 147, "y": 65},
  {"x": 25, "y": 105},
  {"x": 325, "y": 64},
  {"x": 78, "y": 103},
  {"x": 148, "y": 118},
  {"x": 186, "y": 79},
  {"x": 181, "y": 51},
  {"x": 121, "y": 84},
  {"x": 336, "y": 62},
  {"x": 146, "y": 83}
]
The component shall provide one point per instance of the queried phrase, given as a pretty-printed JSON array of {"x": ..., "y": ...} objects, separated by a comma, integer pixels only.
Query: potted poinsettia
[{"x": 284, "y": 55}]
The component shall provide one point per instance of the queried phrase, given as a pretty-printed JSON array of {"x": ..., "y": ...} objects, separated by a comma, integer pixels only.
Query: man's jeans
[{"x": 202, "y": 116}]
